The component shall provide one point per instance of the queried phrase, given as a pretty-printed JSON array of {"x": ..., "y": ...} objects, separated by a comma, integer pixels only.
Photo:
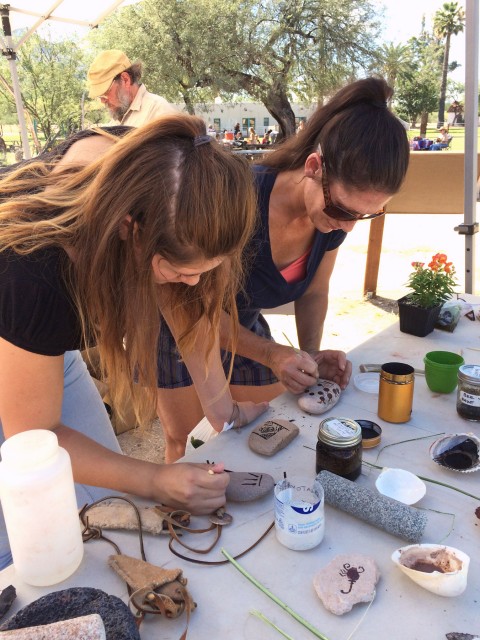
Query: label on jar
[
  {"x": 469, "y": 398},
  {"x": 338, "y": 429}
]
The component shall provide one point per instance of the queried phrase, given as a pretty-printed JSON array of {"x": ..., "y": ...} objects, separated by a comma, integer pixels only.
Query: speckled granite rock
[
  {"x": 320, "y": 398},
  {"x": 382, "y": 512},
  {"x": 272, "y": 436},
  {"x": 86, "y": 627},
  {"x": 245, "y": 486},
  {"x": 118, "y": 620},
  {"x": 346, "y": 580}
]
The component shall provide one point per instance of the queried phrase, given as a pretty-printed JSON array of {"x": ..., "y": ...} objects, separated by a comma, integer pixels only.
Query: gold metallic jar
[
  {"x": 339, "y": 447},
  {"x": 395, "y": 394}
]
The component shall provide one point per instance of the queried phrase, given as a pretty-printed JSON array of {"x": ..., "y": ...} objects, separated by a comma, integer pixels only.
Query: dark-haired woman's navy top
[{"x": 265, "y": 287}]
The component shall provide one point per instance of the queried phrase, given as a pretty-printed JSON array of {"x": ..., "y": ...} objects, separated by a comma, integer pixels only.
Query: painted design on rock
[{"x": 320, "y": 398}]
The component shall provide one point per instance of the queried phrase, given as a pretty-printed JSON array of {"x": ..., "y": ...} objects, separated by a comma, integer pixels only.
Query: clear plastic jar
[
  {"x": 468, "y": 393},
  {"x": 339, "y": 447}
]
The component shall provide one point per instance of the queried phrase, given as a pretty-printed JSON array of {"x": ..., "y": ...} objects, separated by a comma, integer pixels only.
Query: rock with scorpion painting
[
  {"x": 320, "y": 398},
  {"x": 345, "y": 581}
]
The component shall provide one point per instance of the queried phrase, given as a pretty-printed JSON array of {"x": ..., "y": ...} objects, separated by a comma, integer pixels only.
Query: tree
[
  {"x": 418, "y": 83},
  {"x": 271, "y": 51},
  {"x": 52, "y": 80},
  {"x": 392, "y": 58},
  {"x": 448, "y": 21}
]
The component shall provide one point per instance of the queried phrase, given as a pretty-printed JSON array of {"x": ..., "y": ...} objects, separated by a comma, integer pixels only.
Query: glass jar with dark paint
[
  {"x": 339, "y": 447},
  {"x": 468, "y": 393}
]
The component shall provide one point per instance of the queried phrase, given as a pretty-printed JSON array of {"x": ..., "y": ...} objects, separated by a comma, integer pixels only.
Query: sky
[{"x": 403, "y": 19}]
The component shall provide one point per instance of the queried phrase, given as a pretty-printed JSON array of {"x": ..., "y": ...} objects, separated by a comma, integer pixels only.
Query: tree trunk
[
  {"x": 443, "y": 87},
  {"x": 423, "y": 123},
  {"x": 278, "y": 105},
  {"x": 190, "y": 107}
]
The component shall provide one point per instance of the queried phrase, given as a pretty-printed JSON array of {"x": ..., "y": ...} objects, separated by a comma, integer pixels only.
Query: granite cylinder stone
[
  {"x": 245, "y": 486},
  {"x": 384, "y": 513},
  {"x": 320, "y": 398},
  {"x": 345, "y": 581},
  {"x": 272, "y": 436}
]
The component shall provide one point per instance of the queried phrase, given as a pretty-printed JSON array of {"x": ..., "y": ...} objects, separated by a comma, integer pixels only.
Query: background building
[{"x": 249, "y": 114}]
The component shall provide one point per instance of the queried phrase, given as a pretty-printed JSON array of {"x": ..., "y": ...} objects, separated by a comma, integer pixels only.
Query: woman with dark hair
[
  {"x": 102, "y": 252},
  {"x": 342, "y": 168}
]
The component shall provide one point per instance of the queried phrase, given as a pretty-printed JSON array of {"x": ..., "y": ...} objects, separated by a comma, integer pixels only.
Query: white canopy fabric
[{"x": 31, "y": 15}]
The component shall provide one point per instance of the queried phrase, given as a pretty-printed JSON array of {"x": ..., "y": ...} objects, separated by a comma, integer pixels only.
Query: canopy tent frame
[
  {"x": 470, "y": 226},
  {"x": 9, "y": 49}
]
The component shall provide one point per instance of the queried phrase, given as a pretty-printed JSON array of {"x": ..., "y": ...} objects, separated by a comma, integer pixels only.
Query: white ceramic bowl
[
  {"x": 400, "y": 485},
  {"x": 453, "y": 562}
]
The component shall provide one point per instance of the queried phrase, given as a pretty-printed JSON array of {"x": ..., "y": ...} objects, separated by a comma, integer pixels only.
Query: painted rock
[
  {"x": 246, "y": 486},
  {"x": 320, "y": 398},
  {"x": 345, "y": 581},
  {"x": 272, "y": 436}
]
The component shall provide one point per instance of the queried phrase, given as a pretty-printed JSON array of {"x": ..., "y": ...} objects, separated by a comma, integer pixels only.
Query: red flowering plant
[{"x": 432, "y": 285}]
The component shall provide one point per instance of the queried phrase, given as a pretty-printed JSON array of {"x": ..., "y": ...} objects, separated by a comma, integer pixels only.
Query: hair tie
[
  {"x": 199, "y": 140},
  {"x": 379, "y": 105}
]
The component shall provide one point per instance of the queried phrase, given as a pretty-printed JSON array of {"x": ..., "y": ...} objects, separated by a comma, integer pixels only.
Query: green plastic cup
[{"x": 441, "y": 370}]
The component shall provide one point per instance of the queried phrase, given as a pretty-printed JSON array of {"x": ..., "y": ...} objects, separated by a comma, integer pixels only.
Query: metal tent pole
[
  {"x": 470, "y": 225},
  {"x": 11, "y": 55}
]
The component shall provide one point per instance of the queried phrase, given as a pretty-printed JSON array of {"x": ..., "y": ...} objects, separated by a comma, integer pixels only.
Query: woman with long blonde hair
[{"x": 101, "y": 253}]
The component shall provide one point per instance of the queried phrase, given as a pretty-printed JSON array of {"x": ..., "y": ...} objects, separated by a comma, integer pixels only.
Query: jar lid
[
  {"x": 371, "y": 433},
  {"x": 340, "y": 432},
  {"x": 469, "y": 373}
]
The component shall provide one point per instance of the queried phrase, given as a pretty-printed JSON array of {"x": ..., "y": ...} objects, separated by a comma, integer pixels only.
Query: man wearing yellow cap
[{"x": 116, "y": 82}]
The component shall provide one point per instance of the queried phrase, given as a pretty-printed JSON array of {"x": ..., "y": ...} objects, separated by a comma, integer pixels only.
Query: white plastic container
[
  {"x": 38, "y": 500},
  {"x": 299, "y": 513}
]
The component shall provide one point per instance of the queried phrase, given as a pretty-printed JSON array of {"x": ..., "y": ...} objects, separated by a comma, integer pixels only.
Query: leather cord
[{"x": 212, "y": 563}]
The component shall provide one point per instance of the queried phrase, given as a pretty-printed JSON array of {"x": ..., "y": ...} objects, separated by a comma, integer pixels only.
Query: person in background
[
  {"x": 239, "y": 142},
  {"x": 313, "y": 188},
  {"x": 266, "y": 137},
  {"x": 116, "y": 82},
  {"x": 442, "y": 141},
  {"x": 252, "y": 136},
  {"x": 104, "y": 246}
]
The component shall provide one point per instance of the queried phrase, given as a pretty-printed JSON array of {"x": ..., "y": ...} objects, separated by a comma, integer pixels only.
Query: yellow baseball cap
[{"x": 103, "y": 70}]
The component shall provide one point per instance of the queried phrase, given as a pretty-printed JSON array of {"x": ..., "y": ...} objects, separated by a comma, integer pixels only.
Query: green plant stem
[
  {"x": 263, "y": 618},
  {"x": 442, "y": 484},
  {"x": 393, "y": 444},
  {"x": 273, "y": 597}
]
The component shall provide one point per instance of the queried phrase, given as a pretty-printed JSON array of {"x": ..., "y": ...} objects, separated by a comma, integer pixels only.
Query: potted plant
[{"x": 430, "y": 287}]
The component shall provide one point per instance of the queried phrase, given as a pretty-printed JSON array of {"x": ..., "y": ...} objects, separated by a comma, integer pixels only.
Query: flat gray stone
[
  {"x": 117, "y": 618},
  {"x": 272, "y": 436},
  {"x": 320, "y": 398},
  {"x": 245, "y": 486},
  {"x": 86, "y": 627},
  {"x": 346, "y": 580}
]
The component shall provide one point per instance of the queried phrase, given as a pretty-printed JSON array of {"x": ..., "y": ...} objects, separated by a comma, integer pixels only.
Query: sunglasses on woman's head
[{"x": 335, "y": 211}]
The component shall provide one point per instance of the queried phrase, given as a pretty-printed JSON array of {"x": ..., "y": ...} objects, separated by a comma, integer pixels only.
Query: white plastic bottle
[{"x": 38, "y": 500}]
